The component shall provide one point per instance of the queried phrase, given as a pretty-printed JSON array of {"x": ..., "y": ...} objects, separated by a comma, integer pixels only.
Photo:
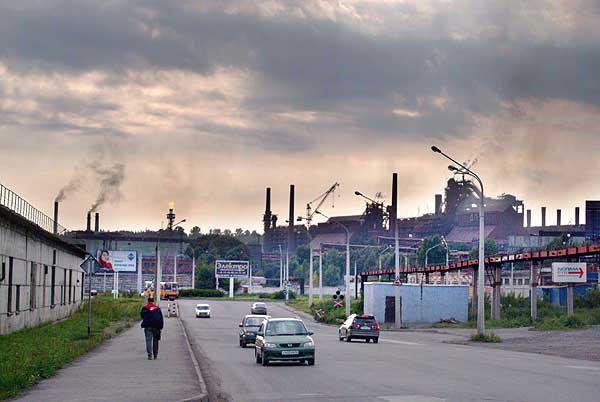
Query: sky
[{"x": 128, "y": 105}]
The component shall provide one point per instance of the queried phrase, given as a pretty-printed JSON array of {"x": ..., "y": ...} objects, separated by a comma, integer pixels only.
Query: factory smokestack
[
  {"x": 394, "y": 210},
  {"x": 55, "y": 228},
  {"x": 438, "y": 204},
  {"x": 543, "y": 216},
  {"x": 97, "y": 222},
  {"x": 267, "y": 217},
  {"x": 291, "y": 240},
  {"x": 558, "y": 216},
  {"x": 89, "y": 222},
  {"x": 577, "y": 215},
  {"x": 529, "y": 218}
]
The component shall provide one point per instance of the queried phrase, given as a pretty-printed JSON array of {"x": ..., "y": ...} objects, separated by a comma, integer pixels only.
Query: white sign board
[
  {"x": 569, "y": 272},
  {"x": 117, "y": 261},
  {"x": 232, "y": 269}
]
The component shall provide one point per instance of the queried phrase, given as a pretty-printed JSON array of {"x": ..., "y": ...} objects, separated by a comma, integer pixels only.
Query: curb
[{"x": 203, "y": 397}]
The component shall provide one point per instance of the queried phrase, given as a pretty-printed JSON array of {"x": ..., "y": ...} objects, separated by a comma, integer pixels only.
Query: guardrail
[{"x": 20, "y": 206}]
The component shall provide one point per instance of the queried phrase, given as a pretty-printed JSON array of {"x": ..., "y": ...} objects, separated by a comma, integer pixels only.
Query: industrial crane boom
[{"x": 321, "y": 199}]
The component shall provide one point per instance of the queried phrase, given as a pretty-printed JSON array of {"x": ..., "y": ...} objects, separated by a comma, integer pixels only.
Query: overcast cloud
[{"x": 206, "y": 103}]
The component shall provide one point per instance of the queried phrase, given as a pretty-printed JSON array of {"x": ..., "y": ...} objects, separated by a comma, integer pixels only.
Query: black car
[
  {"x": 359, "y": 327},
  {"x": 248, "y": 328},
  {"x": 258, "y": 308}
]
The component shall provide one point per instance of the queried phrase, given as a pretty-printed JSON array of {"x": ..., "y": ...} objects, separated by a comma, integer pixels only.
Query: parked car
[
  {"x": 359, "y": 327},
  {"x": 202, "y": 310},
  {"x": 248, "y": 328},
  {"x": 284, "y": 339},
  {"x": 259, "y": 308}
]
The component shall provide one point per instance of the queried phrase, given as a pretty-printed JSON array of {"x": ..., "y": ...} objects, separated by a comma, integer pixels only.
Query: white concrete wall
[
  {"x": 33, "y": 261},
  {"x": 420, "y": 304}
]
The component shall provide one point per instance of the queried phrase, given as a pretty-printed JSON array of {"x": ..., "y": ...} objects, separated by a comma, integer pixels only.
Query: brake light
[
  {"x": 376, "y": 327},
  {"x": 355, "y": 326}
]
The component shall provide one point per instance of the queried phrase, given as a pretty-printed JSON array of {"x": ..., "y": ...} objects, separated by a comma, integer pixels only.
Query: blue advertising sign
[{"x": 232, "y": 269}]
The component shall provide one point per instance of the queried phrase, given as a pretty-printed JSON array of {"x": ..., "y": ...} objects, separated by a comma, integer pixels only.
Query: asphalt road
[{"x": 403, "y": 367}]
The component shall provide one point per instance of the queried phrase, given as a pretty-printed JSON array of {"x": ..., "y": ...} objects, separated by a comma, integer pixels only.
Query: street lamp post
[
  {"x": 310, "y": 274},
  {"x": 347, "y": 280},
  {"x": 158, "y": 270},
  {"x": 481, "y": 266}
]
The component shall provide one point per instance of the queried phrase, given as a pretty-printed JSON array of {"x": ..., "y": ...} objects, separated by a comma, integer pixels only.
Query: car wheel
[
  {"x": 367, "y": 340},
  {"x": 258, "y": 359},
  {"x": 242, "y": 344},
  {"x": 348, "y": 339},
  {"x": 340, "y": 336},
  {"x": 375, "y": 340},
  {"x": 311, "y": 362}
]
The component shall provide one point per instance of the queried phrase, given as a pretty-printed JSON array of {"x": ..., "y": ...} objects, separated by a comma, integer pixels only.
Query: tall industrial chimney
[
  {"x": 89, "y": 222},
  {"x": 438, "y": 204},
  {"x": 97, "y": 222},
  {"x": 529, "y": 218},
  {"x": 267, "y": 216},
  {"x": 291, "y": 239},
  {"x": 577, "y": 215},
  {"x": 394, "y": 210},
  {"x": 558, "y": 216},
  {"x": 543, "y": 216},
  {"x": 55, "y": 228}
]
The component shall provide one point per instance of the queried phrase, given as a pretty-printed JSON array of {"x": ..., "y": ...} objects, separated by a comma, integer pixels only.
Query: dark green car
[{"x": 284, "y": 339}]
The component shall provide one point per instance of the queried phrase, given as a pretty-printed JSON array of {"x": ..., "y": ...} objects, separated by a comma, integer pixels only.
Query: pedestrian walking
[{"x": 152, "y": 322}]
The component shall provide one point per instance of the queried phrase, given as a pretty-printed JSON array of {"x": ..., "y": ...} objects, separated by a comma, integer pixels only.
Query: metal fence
[{"x": 17, "y": 204}]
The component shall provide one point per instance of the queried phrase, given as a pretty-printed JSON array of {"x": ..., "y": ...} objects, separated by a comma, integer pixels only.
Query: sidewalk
[{"x": 119, "y": 370}]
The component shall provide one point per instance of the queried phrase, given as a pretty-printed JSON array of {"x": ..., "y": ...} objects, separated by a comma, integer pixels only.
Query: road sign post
[
  {"x": 231, "y": 269},
  {"x": 569, "y": 273},
  {"x": 90, "y": 265}
]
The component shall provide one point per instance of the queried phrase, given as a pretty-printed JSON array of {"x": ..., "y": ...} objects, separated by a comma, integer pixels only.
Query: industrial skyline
[{"x": 203, "y": 104}]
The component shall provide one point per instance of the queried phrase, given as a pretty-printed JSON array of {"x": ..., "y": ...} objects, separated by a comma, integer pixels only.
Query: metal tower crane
[{"x": 321, "y": 200}]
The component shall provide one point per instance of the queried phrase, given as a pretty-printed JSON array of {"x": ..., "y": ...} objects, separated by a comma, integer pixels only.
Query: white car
[{"x": 202, "y": 310}]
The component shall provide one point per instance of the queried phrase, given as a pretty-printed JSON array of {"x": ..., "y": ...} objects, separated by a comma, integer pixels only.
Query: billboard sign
[
  {"x": 117, "y": 261},
  {"x": 232, "y": 269},
  {"x": 569, "y": 272}
]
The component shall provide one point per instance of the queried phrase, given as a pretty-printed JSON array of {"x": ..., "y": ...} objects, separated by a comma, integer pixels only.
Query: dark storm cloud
[{"x": 312, "y": 63}]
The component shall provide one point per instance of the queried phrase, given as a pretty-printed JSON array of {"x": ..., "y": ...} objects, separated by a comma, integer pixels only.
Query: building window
[
  {"x": 18, "y": 299},
  {"x": 520, "y": 281},
  {"x": 63, "y": 289},
  {"x": 10, "y": 283},
  {"x": 526, "y": 281},
  {"x": 32, "y": 285},
  {"x": 70, "y": 284},
  {"x": 52, "y": 285}
]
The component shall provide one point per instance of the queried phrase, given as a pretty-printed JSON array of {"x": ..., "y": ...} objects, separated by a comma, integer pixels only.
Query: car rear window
[
  {"x": 201, "y": 307},
  {"x": 253, "y": 321},
  {"x": 364, "y": 321}
]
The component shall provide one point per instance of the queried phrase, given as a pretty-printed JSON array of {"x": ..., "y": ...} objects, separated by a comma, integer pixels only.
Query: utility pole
[
  {"x": 320, "y": 272},
  {"x": 397, "y": 301},
  {"x": 280, "y": 268}
]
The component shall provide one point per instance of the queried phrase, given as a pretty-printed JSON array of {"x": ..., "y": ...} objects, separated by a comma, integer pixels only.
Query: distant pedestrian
[{"x": 152, "y": 322}]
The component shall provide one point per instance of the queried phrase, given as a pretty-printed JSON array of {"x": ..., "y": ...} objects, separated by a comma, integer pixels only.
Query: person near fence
[{"x": 152, "y": 322}]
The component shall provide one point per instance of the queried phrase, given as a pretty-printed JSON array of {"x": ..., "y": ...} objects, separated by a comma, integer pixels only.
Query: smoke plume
[
  {"x": 111, "y": 179},
  {"x": 68, "y": 188}
]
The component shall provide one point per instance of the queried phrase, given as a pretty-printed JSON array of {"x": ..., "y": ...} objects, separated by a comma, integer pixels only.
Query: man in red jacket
[{"x": 152, "y": 322}]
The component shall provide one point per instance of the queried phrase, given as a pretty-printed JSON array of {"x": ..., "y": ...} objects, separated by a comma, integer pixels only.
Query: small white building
[{"x": 421, "y": 304}]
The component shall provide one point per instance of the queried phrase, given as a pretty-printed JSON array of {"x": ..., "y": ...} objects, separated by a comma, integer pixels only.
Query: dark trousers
[{"x": 152, "y": 335}]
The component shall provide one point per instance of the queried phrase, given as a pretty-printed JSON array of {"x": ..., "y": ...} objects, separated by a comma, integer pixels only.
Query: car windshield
[
  {"x": 278, "y": 328},
  {"x": 202, "y": 307},
  {"x": 253, "y": 321}
]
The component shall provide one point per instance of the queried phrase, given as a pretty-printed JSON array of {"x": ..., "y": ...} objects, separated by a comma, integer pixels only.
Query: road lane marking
[
  {"x": 584, "y": 368},
  {"x": 401, "y": 342}
]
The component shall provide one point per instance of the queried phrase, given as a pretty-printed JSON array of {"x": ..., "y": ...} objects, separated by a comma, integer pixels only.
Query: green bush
[
  {"x": 487, "y": 338},
  {"x": 280, "y": 295},
  {"x": 200, "y": 293},
  {"x": 591, "y": 299}
]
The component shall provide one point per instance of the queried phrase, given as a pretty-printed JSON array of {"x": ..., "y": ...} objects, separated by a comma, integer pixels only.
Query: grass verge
[{"x": 32, "y": 354}]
